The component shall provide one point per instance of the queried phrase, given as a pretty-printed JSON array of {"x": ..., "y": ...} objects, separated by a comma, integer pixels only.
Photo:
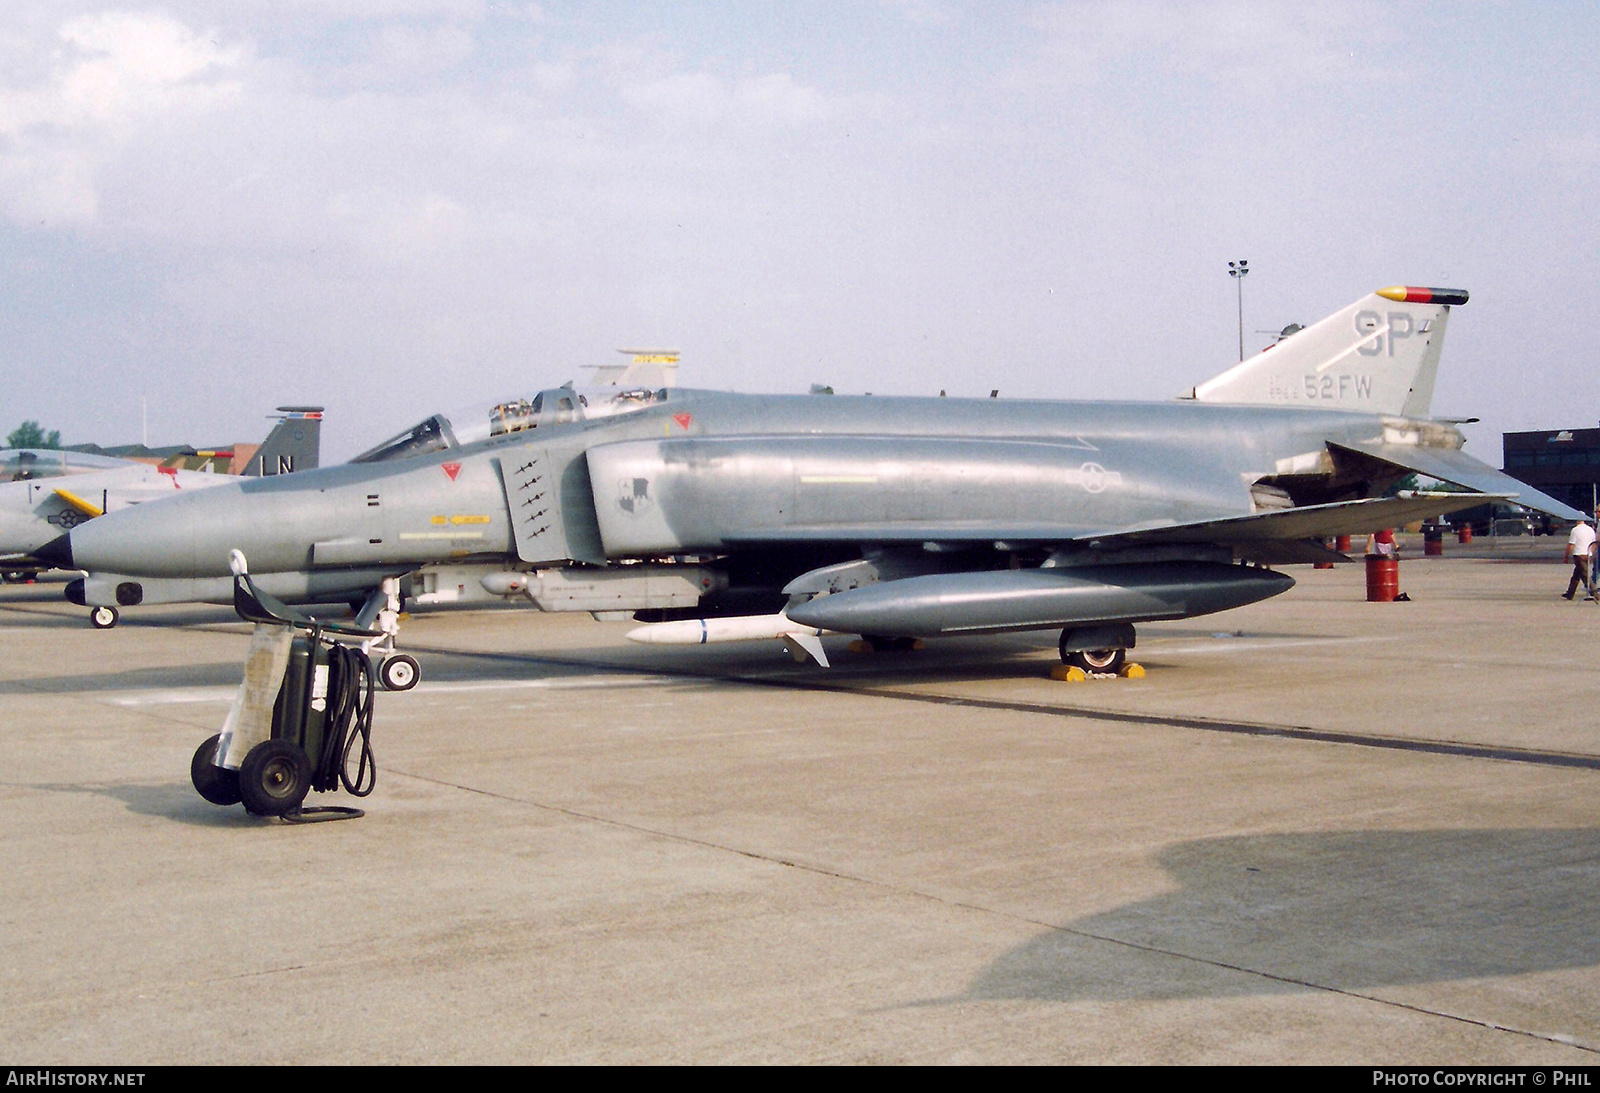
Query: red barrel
[
  {"x": 1342, "y": 543},
  {"x": 1433, "y": 545},
  {"x": 1383, "y": 578},
  {"x": 1464, "y": 534}
]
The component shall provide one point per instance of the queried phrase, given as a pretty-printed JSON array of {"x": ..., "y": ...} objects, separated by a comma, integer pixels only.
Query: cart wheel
[
  {"x": 216, "y": 784},
  {"x": 274, "y": 778},
  {"x": 399, "y": 672},
  {"x": 103, "y": 618}
]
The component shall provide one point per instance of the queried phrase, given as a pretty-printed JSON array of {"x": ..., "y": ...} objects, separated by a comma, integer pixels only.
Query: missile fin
[{"x": 801, "y": 646}]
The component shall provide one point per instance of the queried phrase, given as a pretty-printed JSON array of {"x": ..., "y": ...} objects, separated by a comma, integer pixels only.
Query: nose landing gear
[{"x": 397, "y": 671}]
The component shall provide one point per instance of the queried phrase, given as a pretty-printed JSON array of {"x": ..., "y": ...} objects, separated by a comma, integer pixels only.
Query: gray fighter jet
[
  {"x": 69, "y": 490},
  {"x": 712, "y": 516},
  {"x": 25, "y": 464}
]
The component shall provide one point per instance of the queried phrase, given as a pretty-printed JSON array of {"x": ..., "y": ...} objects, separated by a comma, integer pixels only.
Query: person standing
[
  {"x": 1381, "y": 544},
  {"x": 1580, "y": 552}
]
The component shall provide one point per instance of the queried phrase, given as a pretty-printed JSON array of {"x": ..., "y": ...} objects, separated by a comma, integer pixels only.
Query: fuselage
[{"x": 697, "y": 472}]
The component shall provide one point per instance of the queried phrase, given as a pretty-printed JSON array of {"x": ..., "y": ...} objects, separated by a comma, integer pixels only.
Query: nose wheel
[
  {"x": 103, "y": 618},
  {"x": 399, "y": 672}
]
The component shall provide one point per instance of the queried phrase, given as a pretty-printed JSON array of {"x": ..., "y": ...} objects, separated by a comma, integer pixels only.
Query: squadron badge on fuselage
[{"x": 633, "y": 495}]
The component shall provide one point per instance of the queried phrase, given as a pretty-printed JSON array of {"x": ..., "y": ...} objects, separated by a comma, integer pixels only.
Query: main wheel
[
  {"x": 103, "y": 618},
  {"x": 18, "y": 576},
  {"x": 274, "y": 778},
  {"x": 399, "y": 672},
  {"x": 216, "y": 784},
  {"x": 1103, "y": 661}
]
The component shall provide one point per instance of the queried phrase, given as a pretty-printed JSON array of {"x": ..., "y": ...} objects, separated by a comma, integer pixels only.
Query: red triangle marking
[
  {"x": 452, "y": 469},
  {"x": 683, "y": 419}
]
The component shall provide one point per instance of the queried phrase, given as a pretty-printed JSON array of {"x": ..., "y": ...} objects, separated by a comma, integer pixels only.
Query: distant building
[{"x": 1565, "y": 463}]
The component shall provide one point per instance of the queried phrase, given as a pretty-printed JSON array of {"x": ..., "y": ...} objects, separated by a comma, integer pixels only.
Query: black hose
[{"x": 351, "y": 681}]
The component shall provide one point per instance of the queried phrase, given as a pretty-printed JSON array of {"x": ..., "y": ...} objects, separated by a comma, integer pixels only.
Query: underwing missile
[
  {"x": 802, "y": 641},
  {"x": 713, "y": 631}
]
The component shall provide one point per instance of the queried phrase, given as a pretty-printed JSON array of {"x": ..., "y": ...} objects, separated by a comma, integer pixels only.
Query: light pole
[{"x": 1238, "y": 271}]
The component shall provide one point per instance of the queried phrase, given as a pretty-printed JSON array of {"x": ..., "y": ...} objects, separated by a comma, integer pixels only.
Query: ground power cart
[{"x": 320, "y": 735}]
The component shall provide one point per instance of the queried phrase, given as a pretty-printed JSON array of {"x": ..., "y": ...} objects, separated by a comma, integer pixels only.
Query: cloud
[
  {"x": 701, "y": 98},
  {"x": 1224, "y": 40},
  {"x": 922, "y": 13},
  {"x": 400, "y": 228},
  {"x": 421, "y": 49},
  {"x": 1575, "y": 151},
  {"x": 112, "y": 74}
]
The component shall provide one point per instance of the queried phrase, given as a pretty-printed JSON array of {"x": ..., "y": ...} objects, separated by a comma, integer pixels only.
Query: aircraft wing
[
  {"x": 1276, "y": 535},
  {"x": 1283, "y": 536},
  {"x": 1457, "y": 467},
  {"x": 919, "y": 531}
]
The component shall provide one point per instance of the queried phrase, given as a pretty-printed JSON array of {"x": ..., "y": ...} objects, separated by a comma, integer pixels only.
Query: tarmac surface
[{"x": 1319, "y": 831}]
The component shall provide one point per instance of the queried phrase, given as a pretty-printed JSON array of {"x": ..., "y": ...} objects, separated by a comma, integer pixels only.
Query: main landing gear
[
  {"x": 1096, "y": 650},
  {"x": 1103, "y": 661}
]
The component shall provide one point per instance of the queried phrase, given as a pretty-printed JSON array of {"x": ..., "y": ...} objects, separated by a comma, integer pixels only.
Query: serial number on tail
[{"x": 1344, "y": 387}]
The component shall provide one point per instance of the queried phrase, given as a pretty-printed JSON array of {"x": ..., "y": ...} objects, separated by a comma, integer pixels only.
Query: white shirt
[{"x": 1581, "y": 541}]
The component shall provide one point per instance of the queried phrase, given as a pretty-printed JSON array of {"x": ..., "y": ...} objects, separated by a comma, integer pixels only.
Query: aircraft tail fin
[
  {"x": 1379, "y": 355},
  {"x": 293, "y": 445},
  {"x": 646, "y": 368}
]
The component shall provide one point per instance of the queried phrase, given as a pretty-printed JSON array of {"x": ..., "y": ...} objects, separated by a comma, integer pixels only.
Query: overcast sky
[{"x": 392, "y": 207}]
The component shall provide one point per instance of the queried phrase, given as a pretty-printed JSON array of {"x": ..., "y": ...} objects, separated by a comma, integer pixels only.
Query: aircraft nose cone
[
  {"x": 178, "y": 536},
  {"x": 57, "y": 552}
]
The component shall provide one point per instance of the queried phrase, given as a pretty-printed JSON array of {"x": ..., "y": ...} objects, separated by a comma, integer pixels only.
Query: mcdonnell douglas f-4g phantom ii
[{"x": 714, "y": 516}]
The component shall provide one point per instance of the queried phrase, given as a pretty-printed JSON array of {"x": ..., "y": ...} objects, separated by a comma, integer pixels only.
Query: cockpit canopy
[
  {"x": 19, "y": 464},
  {"x": 484, "y": 421}
]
